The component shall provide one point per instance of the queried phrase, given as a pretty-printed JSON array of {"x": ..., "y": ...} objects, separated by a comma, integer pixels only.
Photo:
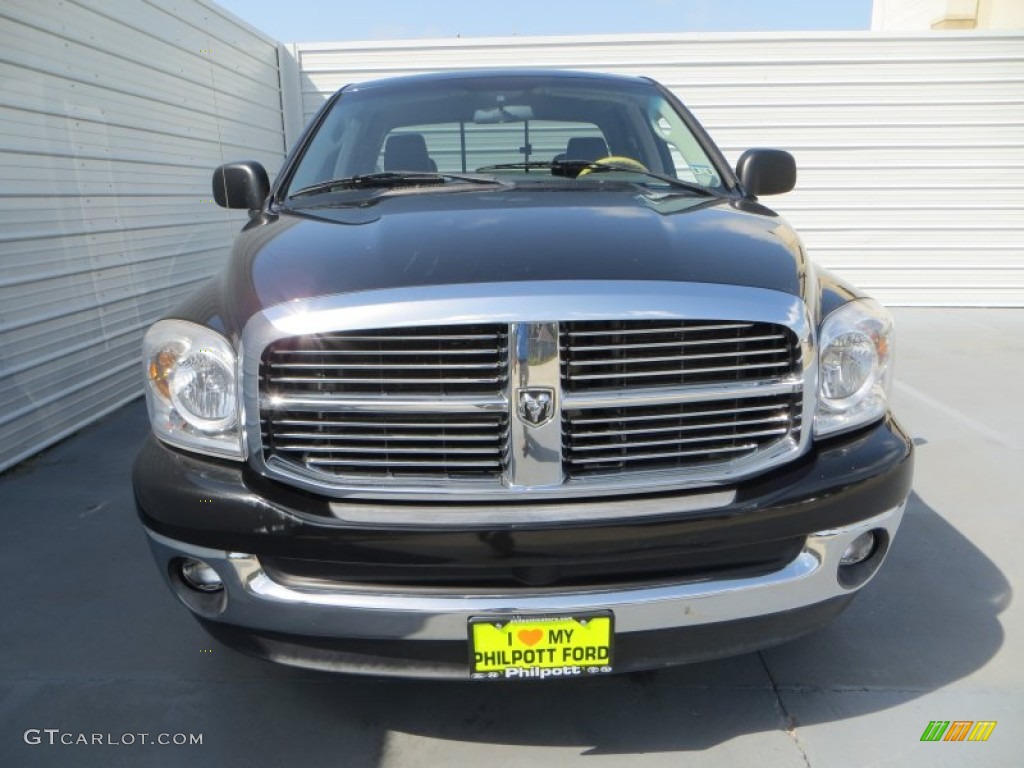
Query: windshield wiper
[
  {"x": 574, "y": 167},
  {"x": 518, "y": 166},
  {"x": 389, "y": 179}
]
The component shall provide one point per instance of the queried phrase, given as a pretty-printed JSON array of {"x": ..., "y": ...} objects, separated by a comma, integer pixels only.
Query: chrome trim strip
[
  {"x": 595, "y": 434},
  {"x": 660, "y": 417},
  {"x": 554, "y": 300},
  {"x": 328, "y": 442},
  {"x": 505, "y": 514},
  {"x": 454, "y": 404},
  {"x": 683, "y": 358},
  {"x": 523, "y": 303},
  {"x": 301, "y": 478},
  {"x": 674, "y": 344},
  {"x": 387, "y": 367},
  {"x": 473, "y": 490},
  {"x": 535, "y": 450},
  {"x": 741, "y": 448},
  {"x": 666, "y": 329},
  {"x": 685, "y": 440},
  {"x": 671, "y": 395},
  {"x": 354, "y": 380},
  {"x": 461, "y": 464},
  {"x": 662, "y": 373},
  {"x": 256, "y": 601}
]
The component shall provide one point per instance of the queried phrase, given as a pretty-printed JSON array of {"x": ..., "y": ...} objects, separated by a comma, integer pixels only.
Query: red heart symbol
[{"x": 531, "y": 636}]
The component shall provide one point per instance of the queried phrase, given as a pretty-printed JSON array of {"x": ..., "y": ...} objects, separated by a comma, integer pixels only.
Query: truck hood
[{"x": 408, "y": 239}]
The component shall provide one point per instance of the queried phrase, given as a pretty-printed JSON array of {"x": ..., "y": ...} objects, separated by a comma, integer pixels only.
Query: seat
[
  {"x": 587, "y": 148},
  {"x": 407, "y": 152}
]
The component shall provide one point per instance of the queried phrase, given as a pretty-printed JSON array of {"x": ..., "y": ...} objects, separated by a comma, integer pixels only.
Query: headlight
[
  {"x": 191, "y": 388},
  {"x": 854, "y": 366}
]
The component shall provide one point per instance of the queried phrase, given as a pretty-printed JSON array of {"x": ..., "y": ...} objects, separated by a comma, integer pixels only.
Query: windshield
[{"x": 515, "y": 128}]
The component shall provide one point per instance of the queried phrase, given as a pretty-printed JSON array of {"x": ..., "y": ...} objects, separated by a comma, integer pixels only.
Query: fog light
[
  {"x": 860, "y": 549},
  {"x": 200, "y": 576}
]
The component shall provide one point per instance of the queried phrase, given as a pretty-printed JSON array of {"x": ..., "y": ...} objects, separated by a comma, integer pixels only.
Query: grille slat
[
  {"x": 375, "y": 449},
  {"x": 741, "y": 448},
  {"x": 727, "y": 437},
  {"x": 385, "y": 366},
  {"x": 393, "y": 437},
  {"x": 678, "y": 343},
  {"x": 328, "y": 353},
  {"x": 398, "y": 464},
  {"x": 393, "y": 336},
  {"x": 584, "y": 434},
  {"x": 363, "y": 425},
  {"x": 684, "y": 358},
  {"x": 676, "y": 372},
  {"x": 349, "y": 381},
  {"x": 637, "y": 327},
  {"x": 650, "y": 417}
]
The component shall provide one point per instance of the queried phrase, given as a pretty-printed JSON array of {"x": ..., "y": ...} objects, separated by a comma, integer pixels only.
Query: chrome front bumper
[{"x": 252, "y": 600}]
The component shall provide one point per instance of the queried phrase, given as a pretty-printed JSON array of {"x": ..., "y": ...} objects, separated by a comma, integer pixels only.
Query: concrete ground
[{"x": 92, "y": 642}]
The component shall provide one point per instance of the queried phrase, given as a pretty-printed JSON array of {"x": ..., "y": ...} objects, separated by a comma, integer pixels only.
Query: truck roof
[{"x": 483, "y": 74}]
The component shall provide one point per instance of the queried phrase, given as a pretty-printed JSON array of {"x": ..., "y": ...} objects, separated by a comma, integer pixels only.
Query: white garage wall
[
  {"x": 112, "y": 118},
  {"x": 910, "y": 147}
]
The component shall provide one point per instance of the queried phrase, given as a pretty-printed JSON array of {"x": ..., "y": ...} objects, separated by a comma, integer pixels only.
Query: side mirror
[
  {"x": 766, "y": 171},
  {"x": 241, "y": 185}
]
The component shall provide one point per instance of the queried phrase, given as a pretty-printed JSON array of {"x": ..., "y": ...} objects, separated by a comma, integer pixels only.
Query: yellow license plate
[{"x": 540, "y": 648}]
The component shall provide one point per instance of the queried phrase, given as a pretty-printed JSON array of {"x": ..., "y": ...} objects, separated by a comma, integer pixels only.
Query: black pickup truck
[{"x": 510, "y": 376}]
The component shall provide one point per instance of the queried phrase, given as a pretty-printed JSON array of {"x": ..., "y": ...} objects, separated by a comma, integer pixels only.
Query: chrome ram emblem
[{"x": 536, "y": 406}]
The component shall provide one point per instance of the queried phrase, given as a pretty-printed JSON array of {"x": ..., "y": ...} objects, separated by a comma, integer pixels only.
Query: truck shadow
[{"x": 928, "y": 619}]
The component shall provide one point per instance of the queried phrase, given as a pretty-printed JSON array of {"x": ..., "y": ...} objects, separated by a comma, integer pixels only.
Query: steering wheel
[{"x": 617, "y": 161}]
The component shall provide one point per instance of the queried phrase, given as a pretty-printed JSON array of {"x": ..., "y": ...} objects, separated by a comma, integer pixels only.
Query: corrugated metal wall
[
  {"x": 910, "y": 147},
  {"x": 112, "y": 117}
]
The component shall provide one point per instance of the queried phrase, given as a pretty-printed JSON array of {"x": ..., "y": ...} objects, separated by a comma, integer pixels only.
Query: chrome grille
[
  {"x": 639, "y": 404},
  {"x": 625, "y": 354},
  {"x": 675, "y": 436},
  {"x": 355, "y": 445},
  {"x": 438, "y": 360}
]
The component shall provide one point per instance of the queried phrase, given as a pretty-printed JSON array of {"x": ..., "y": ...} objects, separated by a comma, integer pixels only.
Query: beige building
[{"x": 918, "y": 15}]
